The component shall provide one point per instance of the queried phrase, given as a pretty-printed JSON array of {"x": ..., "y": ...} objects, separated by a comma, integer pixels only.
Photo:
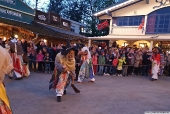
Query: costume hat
[{"x": 69, "y": 48}]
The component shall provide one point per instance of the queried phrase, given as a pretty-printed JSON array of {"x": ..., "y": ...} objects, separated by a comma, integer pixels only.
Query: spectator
[
  {"x": 31, "y": 52},
  {"x": 47, "y": 61},
  {"x": 138, "y": 60},
  {"x": 125, "y": 67},
  {"x": 114, "y": 63},
  {"x": 101, "y": 62},
  {"x": 146, "y": 62},
  {"x": 106, "y": 68},
  {"x": 40, "y": 58},
  {"x": 95, "y": 62},
  {"x": 111, "y": 57},
  {"x": 24, "y": 45},
  {"x": 131, "y": 58},
  {"x": 1, "y": 43},
  {"x": 121, "y": 60}
]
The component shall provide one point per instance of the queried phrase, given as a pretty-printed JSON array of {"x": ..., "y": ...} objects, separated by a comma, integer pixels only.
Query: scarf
[{"x": 70, "y": 65}]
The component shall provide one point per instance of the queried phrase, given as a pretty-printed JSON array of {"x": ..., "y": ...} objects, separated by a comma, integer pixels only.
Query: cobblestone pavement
[{"x": 108, "y": 95}]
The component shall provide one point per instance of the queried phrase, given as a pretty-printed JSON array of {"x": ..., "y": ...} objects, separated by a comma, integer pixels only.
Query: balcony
[{"x": 126, "y": 30}]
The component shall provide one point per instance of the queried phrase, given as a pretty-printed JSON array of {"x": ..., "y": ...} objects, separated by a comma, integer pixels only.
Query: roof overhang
[
  {"x": 115, "y": 7},
  {"x": 133, "y": 37}
]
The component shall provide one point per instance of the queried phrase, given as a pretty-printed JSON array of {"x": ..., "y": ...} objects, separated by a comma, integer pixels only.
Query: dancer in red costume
[{"x": 16, "y": 53}]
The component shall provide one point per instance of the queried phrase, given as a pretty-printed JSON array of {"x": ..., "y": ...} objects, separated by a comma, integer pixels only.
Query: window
[
  {"x": 158, "y": 21},
  {"x": 73, "y": 28},
  {"x": 129, "y": 21}
]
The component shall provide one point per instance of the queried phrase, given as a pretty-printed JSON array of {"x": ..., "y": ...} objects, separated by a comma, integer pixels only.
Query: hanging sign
[
  {"x": 65, "y": 23},
  {"x": 103, "y": 25},
  {"x": 10, "y": 12},
  {"x": 9, "y": 1},
  {"x": 41, "y": 16},
  {"x": 54, "y": 18},
  {"x": 161, "y": 3}
]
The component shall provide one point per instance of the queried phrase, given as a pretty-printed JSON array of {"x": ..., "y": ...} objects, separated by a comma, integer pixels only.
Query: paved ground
[{"x": 108, "y": 95}]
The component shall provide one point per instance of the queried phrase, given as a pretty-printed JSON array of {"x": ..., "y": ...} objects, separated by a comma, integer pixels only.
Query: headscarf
[{"x": 62, "y": 59}]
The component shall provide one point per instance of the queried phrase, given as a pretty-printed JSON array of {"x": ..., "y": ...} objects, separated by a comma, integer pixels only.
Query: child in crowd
[
  {"x": 39, "y": 59},
  {"x": 114, "y": 63},
  {"x": 106, "y": 69},
  {"x": 101, "y": 62},
  {"x": 95, "y": 62},
  {"x": 121, "y": 60},
  {"x": 47, "y": 60}
]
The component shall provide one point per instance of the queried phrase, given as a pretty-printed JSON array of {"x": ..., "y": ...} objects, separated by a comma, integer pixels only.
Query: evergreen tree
[{"x": 55, "y": 6}]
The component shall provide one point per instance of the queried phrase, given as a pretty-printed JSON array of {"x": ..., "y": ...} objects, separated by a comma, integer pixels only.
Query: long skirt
[
  {"x": 155, "y": 70},
  {"x": 26, "y": 71},
  {"x": 59, "y": 81},
  {"x": 4, "y": 109},
  {"x": 86, "y": 71},
  {"x": 17, "y": 63},
  {"x": 4, "y": 102}
]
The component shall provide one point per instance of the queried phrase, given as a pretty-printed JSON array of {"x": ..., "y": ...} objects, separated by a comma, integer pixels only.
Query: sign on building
[
  {"x": 41, "y": 16},
  {"x": 9, "y": 1}
]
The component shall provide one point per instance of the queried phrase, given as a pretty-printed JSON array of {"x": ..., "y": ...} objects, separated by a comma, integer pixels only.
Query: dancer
[
  {"x": 5, "y": 67},
  {"x": 86, "y": 69},
  {"x": 65, "y": 71},
  {"x": 156, "y": 58},
  {"x": 16, "y": 52}
]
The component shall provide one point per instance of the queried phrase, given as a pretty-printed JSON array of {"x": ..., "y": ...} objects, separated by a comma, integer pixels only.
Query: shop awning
[
  {"x": 61, "y": 30},
  {"x": 42, "y": 30}
]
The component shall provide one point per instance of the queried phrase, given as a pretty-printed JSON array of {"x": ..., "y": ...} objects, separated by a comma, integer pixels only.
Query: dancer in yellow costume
[{"x": 5, "y": 67}]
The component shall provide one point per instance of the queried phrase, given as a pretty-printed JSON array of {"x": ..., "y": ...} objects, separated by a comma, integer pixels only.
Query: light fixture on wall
[
  {"x": 114, "y": 25},
  {"x": 16, "y": 36},
  {"x": 4, "y": 38},
  {"x": 155, "y": 36}
]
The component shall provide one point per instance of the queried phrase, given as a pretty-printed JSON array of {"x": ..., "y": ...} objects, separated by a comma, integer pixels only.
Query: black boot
[
  {"x": 65, "y": 92},
  {"x": 9, "y": 77},
  {"x": 152, "y": 79},
  {"x": 59, "y": 98}
]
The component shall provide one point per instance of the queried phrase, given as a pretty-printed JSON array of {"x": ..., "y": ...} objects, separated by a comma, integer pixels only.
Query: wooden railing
[{"x": 127, "y": 30}]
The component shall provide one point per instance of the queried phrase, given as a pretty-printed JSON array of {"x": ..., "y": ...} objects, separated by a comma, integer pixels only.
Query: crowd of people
[
  {"x": 75, "y": 62},
  {"x": 126, "y": 61},
  {"x": 114, "y": 60}
]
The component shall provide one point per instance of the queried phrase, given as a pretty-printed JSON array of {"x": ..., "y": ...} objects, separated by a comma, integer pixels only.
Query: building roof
[
  {"x": 61, "y": 30},
  {"x": 40, "y": 29},
  {"x": 75, "y": 22},
  {"x": 120, "y": 4}
]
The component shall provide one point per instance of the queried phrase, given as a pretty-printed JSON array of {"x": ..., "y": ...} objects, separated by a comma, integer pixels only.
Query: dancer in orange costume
[{"x": 5, "y": 67}]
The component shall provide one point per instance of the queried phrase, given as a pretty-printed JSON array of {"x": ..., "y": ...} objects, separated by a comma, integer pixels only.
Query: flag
[
  {"x": 103, "y": 25},
  {"x": 142, "y": 23}
]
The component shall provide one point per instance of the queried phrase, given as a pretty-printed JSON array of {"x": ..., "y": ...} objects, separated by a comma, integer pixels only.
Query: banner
[
  {"x": 142, "y": 23},
  {"x": 103, "y": 25}
]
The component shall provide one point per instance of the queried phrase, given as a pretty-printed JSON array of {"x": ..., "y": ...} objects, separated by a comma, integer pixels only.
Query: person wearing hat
[
  {"x": 5, "y": 67},
  {"x": 64, "y": 71}
]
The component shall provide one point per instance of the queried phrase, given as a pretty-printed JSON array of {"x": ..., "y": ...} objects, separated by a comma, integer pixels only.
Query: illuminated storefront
[{"x": 137, "y": 22}]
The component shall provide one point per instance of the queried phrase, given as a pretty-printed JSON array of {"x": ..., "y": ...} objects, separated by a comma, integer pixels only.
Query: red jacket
[{"x": 115, "y": 62}]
